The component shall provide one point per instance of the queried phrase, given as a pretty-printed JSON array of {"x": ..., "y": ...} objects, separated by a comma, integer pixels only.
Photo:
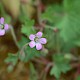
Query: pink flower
[
  {"x": 3, "y": 26},
  {"x": 37, "y": 41}
]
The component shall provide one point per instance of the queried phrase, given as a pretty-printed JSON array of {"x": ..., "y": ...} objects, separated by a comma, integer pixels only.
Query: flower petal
[
  {"x": 2, "y": 20},
  {"x": 32, "y": 44},
  {"x": 32, "y": 37},
  {"x": 2, "y": 32},
  {"x": 39, "y": 34},
  {"x": 43, "y": 41},
  {"x": 6, "y": 26},
  {"x": 38, "y": 46}
]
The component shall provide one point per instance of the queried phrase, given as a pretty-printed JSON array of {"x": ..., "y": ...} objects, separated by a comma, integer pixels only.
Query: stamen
[{"x": 36, "y": 39}]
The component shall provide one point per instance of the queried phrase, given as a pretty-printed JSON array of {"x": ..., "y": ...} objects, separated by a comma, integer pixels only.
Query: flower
[
  {"x": 3, "y": 27},
  {"x": 37, "y": 41}
]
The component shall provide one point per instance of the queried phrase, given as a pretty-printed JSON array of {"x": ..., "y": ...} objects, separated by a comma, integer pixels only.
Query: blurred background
[{"x": 60, "y": 57}]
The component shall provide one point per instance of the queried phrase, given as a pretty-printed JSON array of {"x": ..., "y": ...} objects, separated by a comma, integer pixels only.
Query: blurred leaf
[
  {"x": 68, "y": 47},
  {"x": 53, "y": 13},
  {"x": 10, "y": 68},
  {"x": 23, "y": 41},
  {"x": 31, "y": 53},
  {"x": 52, "y": 39},
  {"x": 33, "y": 73},
  {"x": 59, "y": 58},
  {"x": 55, "y": 71},
  {"x": 70, "y": 25},
  {"x": 12, "y": 58},
  {"x": 27, "y": 27},
  {"x": 60, "y": 65},
  {"x": 78, "y": 78}
]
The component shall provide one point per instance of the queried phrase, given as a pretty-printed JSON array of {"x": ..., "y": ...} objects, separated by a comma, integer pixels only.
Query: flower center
[{"x": 36, "y": 39}]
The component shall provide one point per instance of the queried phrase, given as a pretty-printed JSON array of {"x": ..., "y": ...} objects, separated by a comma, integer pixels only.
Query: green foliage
[
  {"x": 70, "y": 25},
  {"x": 53, "y": 14},
  {"x": 55, "y": 40},
  {"x": 12, "y": 60},
  {"x": 50, "y": 39},
  {"x": 28, "y": 52},
  {"x": 66, "y": 18},
  {"x": 78, "y": 78},
  {"x": 23, "y": 41},
  {"x": 27, "y": 24},
  {"x": 33, "y": 73},
  {"x": 28, "y": 27},
  {"x": 61, "y": 65},
  {"x": 55, "y": 71}
]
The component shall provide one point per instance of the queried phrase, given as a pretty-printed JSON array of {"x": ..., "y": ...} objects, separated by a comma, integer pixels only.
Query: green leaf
[
  {"x": 50, "y": 39},
  {"x": 53, "y": 13},
  {"x": 61, "y": 65},
  {"x": 29, "y": 53},
  {"x": 27, "y": 27},
  {"x": 64, "y": 67},
  {"x": 12, "y": 58},
  {"x": 60, "y": 58},
  {"x": 55, "y": 71},
  {"x": 23, "y": 41},
  {"x": 54, "y": 39},
  {"x": 70, "y": 25}
]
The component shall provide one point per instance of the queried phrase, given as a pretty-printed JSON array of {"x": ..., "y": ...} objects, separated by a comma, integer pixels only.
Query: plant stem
[
  {"x": 22, "y": 50},
  {"x": 57, "y": 43}
]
